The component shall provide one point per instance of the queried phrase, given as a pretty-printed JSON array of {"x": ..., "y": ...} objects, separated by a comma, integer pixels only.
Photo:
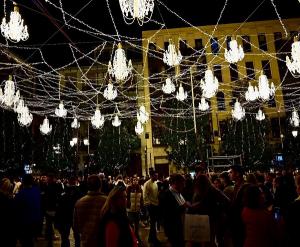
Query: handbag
[{"x": 196, "y": 228}]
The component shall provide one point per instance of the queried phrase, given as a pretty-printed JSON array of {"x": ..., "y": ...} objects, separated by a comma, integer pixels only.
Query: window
[
  {"x": 214, "y": 46},
  {"x": 262, "y": 41},
  {"x": 221, "y": 101},
  {"x": 183, "y": 47},
  {"x": 234, "y": 75},
  {"x": 228, "y": 39},
  {"x": 266, "y": 68},
  {"x": 293, "y": 34},
  {"x": 198, "y": 44},
  {"x": 166, "y": 45},
  {"x": 278, "y": 40},
  {"x": 272, "y": 102},
  {"x": 218, "y": 72},
  {"x": 250, "y": 71},
  {"x": 152, "y": 46},
  {"x": 246, "y": 43}
]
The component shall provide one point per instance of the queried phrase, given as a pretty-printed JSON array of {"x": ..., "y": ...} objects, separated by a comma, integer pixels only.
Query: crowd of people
[{"x": 244, "y": 209}]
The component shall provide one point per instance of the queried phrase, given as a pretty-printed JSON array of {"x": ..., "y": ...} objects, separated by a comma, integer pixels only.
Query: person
[
  {"x": 7, "y": 232},
  {"x": 150, "y": 194},
  {"x": 228, "y": 187},
  {"x": 173, "y": 207},
  {"x": 86, "y": 218},
  {"x": 115, "y": 229},
  {"x": 134, "y": 204},
  {"x": 260, "y": 227},
  {"x": 293, "y": 219},
  {"x": 28, "y": 211}
]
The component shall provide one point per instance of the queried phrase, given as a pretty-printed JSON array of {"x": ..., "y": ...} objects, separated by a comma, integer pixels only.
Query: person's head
[
  {"x": 177, "y": 182},
  {"x": 254, "y": 197},
  {"x": 94, "y": 183},
  {"x": 153, "y": 175},
  {"x": 135, "y": 181},
  {"x": 116, "y": 201},
  {"x": 236, "y": 173},
  {"x": 225, "y": 179},
  {"x": 217, "y": 183},
  {"x": 27, "y": 180},
  {"x": 251, "y": 179},
  {"x": 6, "y": 187},
  {"x": 201, "y": 168},
  {"x": 202, "y": 185}
]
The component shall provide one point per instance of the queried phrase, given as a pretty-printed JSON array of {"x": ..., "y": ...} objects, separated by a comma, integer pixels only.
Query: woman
[
  {"x": 115, "y": 227},
  {"x": 260, "y": 226}
]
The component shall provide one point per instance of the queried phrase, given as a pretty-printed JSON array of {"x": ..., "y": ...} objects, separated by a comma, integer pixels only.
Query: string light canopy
[
  {"x": 260, "y": 115},
  {"x": 45, "y": 128},
  {"x": 209, "y": 84},
  {"x": 109, "y": 92},
  {"x": 140, "y": 10},
  {"x": 203, "y": 105},
  {"x": 171, "y": 56},
  {"x": 75, "y": 124},
  {"x": 97, "y": 120},
  {"x": 238, "y": 112},
  {"x": 119, "y": 68},
  {"x": 14, "y": 30},
  {"x": 235, "y": 53},
  {"x": 168, "y": 87},
  {"x": 61, "y": 111},
  {"x": 181, "y": 95},
  {"x": 293, "y": 63},
  {"x": 294, "y": 120},
  {"x": 139, "y": 129}
]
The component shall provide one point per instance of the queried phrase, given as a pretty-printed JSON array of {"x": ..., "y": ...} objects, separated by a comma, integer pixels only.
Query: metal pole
[{"x": 193, "y": 101}]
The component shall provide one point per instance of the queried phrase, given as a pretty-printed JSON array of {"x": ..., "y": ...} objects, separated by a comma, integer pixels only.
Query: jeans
[{"x": 153, "y": 213}]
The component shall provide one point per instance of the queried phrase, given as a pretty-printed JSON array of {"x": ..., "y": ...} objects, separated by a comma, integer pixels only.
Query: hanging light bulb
[
  {"x": 142, "y": 115},
  {"x": 25, "y": 117},
  {"x": 293, "y": 63},
  {"x": 209, "y": 85},
  {"x": 295, "y": 133},
  {"x": 139, "y": 129},
  {"x": 141, "y": 10},
  {"x": 260, "y": 115},
  {"x": 75, "y": 124},
  {"x": 294, "y": 120},
  {"x": 265, "y": 90},
  {"x": 116, "y": 122},
  {"x": 235, "y": 53},
  {"x": 110, "y": 93},
  {"x": 171, "y": 57},
  {"x": 75, "y": 140},
  {"x": 181, "y": 95},
  {"x": 86, "y": 142},
  {"x": 238, "y": 112},
  {"x": 61, "y": 111},
  {"x": 97, "y": 120},
  {"x": 10, "y": 97},
  {"x": 169, "y": 87},
  {"x": 72, "y": 144},
  {"x": 119, "y": 68},
  {"x": 45, "y": 128},
  {"x": 203, "y": 105},
  {"x": 252, "y": 93},
  {"x": 14, "y": 30}
]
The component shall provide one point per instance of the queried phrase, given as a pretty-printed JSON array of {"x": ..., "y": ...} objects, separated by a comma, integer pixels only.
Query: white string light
[
  {"x": 169, "y": 87},
  {"x": 97, "y": 120},
  {"x": 116, "y": 121},
  {"x": 293, "y": 63},
  {"x": 235, "y": 53},
  {"x": 139, "y": 129},
  {"x": 171, "y": 56},
  {"x": 209, "y": 84},
  {"x": 110, "y": 93},
  {"x": 260, "y": 115},
  {"x": 45, "y": 128},
  {"x": 238, "y": 112},
  {"x": 61, "y": 111},
  {"x": 181, "y": 95},
  {"x": 75, "y": 124},
  {"x": 142, "y": 115},
  {"x": 203, "y": 105}
]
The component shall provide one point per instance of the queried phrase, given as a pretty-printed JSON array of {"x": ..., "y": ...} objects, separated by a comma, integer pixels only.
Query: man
[
  {"x": 173, "y": 208},
  {"x": 86, "y": 217},
  {"x": 150, "y": 194}
]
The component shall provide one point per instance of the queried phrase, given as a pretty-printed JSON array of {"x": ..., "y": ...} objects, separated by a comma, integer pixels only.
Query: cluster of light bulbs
[{"x": 142, "y": 118}]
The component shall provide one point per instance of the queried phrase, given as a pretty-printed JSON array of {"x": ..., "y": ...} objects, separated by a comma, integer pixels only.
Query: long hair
[
  {"x": 202, "y": 186},
  {"x": 110, "y": 202}
]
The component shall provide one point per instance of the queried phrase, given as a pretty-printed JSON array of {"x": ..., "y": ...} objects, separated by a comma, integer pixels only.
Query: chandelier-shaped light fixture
[
  {"x": 10, "y": 96},
  {"x": 238, "y": 112},
  {"x": 45, "y": 128},
  {"x": 171, "y": 57},
  {"x": 110, "y": 93},
  {"x": 295, "y": 133},
  {"x": 86, "y": 142},
  {"x": 116, "y": 121},
  {"x": 14, "y": 30},
  {"x": 19, "y": 106},
  {"x": 235, "y": 53},
  {"x": 72, "y": 144},
  {"x": 293, "y": 63},
  {"x": 25, "y": 117},
  {"x": 119, "y": 69},
  {"x": 75, "y": 124},
  {"x": 169, "y": 87},
  {"x": 260, "y": 115},
  {"x": 61, "y": 111},
  {"x": 142, "y": 115},
  {"x": 252, "y": 93},
  {"x": 203, "y": 105},
  {"x": 294, "y": 120},
  {"x": 209, "y": 85},
  {"x": 264, "y": 89},
  {"x": 97, "y": 120},
  {"x": 139, "y": 129},
  {"x": 141, "y": 10},
  {"x": 181, "y": 95}
]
